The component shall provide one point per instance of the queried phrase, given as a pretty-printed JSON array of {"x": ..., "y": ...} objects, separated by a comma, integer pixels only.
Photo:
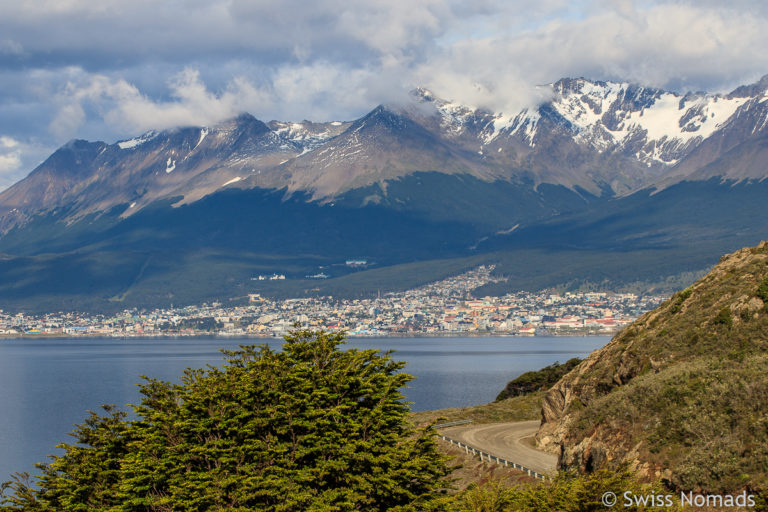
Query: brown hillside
[{"x": 682, "y": 393}]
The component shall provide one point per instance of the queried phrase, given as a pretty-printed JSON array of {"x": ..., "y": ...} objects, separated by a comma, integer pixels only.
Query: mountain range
[{"x": 605, "y": 184}]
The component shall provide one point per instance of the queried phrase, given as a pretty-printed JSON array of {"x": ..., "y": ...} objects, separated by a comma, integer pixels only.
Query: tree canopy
[
  {"x": 538, "y": 380},
  {"x": 311, "y": 427}
]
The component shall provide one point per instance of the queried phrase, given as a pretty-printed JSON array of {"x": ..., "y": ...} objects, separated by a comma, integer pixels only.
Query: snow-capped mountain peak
[
  {"x": 658, "y": 127},
  {"x": 594, "y": 136},
  {"x": 455, "y": 119},
  {"x": 306, "y": 134},
  {"x": 654, "y": 126}
]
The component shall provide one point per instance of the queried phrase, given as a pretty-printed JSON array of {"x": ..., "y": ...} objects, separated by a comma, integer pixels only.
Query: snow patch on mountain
[
  {"x": 170, "y": 165},
  {"x": 233, "y": 180},
  {"x": 524, "y": 124},
  {"x": 307, "y": 135},
  {"x": 137, "y": 141},
  {"x": 203, "y": 134},
  {"x": 455, "y": 118}
]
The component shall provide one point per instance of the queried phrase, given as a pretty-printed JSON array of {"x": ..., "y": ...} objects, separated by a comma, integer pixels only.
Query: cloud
[
  {"x": 126, "y": 33},
  {"x": 191, "y": 103},
  {"x": 675, "y": 46},
  {"x": 10, "y": 157},
  {"x": 663, "y": 45},
  {"x": 15, "y": 158},
  {"x": 123, "y": 105},
  {"x": 113, "y": 69}
]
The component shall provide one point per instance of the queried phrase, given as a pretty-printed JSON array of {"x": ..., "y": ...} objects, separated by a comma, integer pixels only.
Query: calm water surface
[{"x": 47, "y": 385}]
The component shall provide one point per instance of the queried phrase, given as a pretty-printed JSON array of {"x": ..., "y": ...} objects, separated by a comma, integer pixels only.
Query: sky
[{"x": 110, "y": 69}]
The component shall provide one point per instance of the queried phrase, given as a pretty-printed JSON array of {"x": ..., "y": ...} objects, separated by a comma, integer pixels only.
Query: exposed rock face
[
  {"x": 616, "y": 364},
  {"x": 675, "y": 393}
]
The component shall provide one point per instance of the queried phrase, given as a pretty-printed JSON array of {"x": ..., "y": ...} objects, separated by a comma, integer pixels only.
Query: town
[{"x": 443, "y": 308}]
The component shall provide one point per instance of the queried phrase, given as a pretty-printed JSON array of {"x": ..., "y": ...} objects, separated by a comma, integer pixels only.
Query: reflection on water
[{"x": 46, "y": 386}]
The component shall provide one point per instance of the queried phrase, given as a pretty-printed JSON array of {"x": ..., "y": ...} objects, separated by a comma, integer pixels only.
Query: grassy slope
[
  {"x": 520, "y": 408},
  {"x": 685, "y": 388}
]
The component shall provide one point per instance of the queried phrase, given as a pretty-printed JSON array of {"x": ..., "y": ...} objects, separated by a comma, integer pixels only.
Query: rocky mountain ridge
[
  {"x": 186, "y": 163},
  {"x": 600, "y": 137}
]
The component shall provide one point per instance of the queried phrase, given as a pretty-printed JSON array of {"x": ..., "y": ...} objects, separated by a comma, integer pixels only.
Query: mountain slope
[
  {"x": 383, "y": 145},
  {"x": 187, "y": 163},
  {"x": 680, "y": 393},
  {"x": 738, "y": 150}
]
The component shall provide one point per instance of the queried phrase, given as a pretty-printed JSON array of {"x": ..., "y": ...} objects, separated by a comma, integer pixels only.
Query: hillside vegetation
[
  {"x": 682, "y": 393},
  {"x": 537, "y": 380}
]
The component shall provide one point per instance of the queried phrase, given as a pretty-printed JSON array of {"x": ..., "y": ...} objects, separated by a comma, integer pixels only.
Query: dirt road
[{"x": 505, "y": 440}]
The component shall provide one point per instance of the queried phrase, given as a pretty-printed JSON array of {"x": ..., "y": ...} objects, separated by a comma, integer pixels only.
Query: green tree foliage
[
  {"x": 200, "y": 324},
  {"x": 762, "y": 291},
  {"x": 724, "y": 317},
  {"x": 309, "y": 428},
  {"x": 539, "y": 380}
]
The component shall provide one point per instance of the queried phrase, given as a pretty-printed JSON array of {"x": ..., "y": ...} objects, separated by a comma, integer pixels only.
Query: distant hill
[{"x": 681, "y": 393}]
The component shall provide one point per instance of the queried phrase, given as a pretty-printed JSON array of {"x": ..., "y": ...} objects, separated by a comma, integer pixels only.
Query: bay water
[{"x": 47, "y": 385}]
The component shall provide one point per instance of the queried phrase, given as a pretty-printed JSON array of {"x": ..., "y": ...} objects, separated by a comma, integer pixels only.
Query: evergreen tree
[{"x": 309, "y": 428}]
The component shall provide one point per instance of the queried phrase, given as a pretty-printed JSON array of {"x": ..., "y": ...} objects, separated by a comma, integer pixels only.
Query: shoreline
[{"x": 65, "y": 337}]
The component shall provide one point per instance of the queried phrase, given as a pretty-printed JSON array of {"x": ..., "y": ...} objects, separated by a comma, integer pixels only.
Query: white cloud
[
  {"x": 67, "y": 121},
  {"x": 659, "y": 45},
  {"x": 10, "y": 158},
  {"x": 8, "y": 142},
  {"x": 119, "y": 68},
  {"x": 126, "y": 108},
  {"x": 677, "y": 46},
  {"x": 15, "y": 158},
  {"x": 313, "y": 91},
  {"x": 9, "y": 162}
]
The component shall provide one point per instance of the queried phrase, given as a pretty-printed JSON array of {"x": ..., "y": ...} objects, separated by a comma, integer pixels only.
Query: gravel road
[{"x": 505, "y": 440}]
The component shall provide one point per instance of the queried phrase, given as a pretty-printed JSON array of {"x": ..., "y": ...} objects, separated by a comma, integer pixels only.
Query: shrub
[
  {"x": 724, "y": 318},
  {"x": 537, "y": 380},
  {"x": 762, "y": 292},
  {"x": 679, "y": 298}
]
